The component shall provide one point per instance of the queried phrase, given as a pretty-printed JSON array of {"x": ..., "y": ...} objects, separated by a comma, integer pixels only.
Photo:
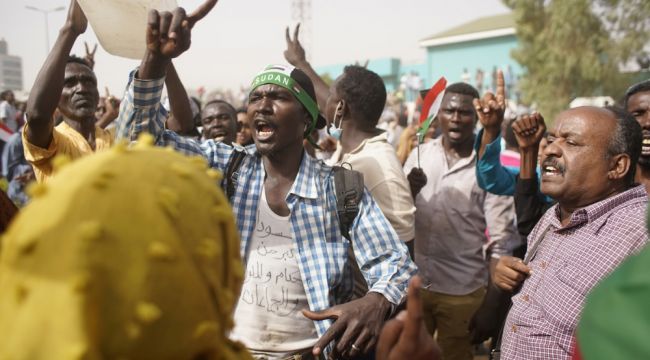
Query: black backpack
[{"x": 348, "y": 185}]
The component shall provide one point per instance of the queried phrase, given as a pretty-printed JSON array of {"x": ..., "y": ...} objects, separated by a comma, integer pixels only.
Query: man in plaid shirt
[
  {"x": 598, "y": 222},
  {"x": 293, "y": 193}
]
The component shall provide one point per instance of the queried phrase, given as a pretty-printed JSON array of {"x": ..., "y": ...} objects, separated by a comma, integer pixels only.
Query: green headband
[
  {"x": 287, "y": 82},
  {"x": 283, "y": 79}
]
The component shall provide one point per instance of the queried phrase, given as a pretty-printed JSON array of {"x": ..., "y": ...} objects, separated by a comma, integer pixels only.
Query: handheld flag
[
  {"x": 431, "y": 106},
  {"x": 430, "y": 109}
]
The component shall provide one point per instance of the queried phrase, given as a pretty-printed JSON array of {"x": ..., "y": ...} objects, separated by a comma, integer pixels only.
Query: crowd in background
[{"x": 336, "y": 225}]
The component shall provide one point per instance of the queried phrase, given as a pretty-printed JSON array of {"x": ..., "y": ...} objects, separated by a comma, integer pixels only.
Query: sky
[{"x": 239, "y": 37}]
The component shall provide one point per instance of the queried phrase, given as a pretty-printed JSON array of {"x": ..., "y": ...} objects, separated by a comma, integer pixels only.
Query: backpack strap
[
  {"x": 232, "y": 172},
  {"x": 349, "y": 189},
  {"x": 348, "y": 185}
]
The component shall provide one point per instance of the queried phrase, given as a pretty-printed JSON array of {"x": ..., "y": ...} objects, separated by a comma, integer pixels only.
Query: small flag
[
  {"x": 5, "y": 132},
  {"x": 431, "y": 106}
]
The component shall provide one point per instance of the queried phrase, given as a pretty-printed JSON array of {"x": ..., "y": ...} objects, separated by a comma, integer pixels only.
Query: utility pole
[{"x": 45, "y": 13}]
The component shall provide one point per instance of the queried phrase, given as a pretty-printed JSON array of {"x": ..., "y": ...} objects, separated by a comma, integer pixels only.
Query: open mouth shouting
[
  {"x": 551, "y": 168},
  {"x": 645, "y": 144},
  {"x": 264, "y": 130},
  {"x": 455, "y": 133},
  {"x": 218, "y": 134}
]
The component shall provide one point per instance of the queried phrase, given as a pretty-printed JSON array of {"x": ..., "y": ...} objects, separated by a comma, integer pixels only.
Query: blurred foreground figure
[
  {"x": 7, "y": 212},
  {"x": 616, "y": 321},
  {"x": 406, "y": 336},
  {"x": 97, "y": 267}
]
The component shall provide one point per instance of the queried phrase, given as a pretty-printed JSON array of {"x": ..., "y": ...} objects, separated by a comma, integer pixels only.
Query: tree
[
  {"x": 629, "y": 24},
  {"x": 573, "y": 48},
  {"x": 327, "y": 78}
]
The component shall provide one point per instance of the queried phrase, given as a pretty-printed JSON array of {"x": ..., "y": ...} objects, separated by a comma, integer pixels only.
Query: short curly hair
[
  {"x": 635, "y": 89},
  {"x": 364, "y": 91},
  {"x": 626, "y": 139},
  {"x": 462, "y": 88},
  {"x": 5, "y": 94},
  {"x": 73, "y": 59}
]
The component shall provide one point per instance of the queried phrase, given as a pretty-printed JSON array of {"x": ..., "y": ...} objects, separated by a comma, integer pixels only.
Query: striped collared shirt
[
  {"x": 322, "y": 250},
  {"x": 568, "y": 263}
]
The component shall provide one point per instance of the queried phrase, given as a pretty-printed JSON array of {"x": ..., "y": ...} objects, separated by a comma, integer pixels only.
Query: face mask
[{"x": 333, "y": 130}]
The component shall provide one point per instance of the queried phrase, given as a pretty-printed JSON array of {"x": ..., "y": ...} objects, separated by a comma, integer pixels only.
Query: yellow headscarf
[{"x": 126, "y": 254}]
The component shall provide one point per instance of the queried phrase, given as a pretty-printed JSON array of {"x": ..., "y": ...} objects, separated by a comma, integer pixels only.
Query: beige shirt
[
  {"x": 452, "y": 216},
  {"x": 382, "y": 173}
]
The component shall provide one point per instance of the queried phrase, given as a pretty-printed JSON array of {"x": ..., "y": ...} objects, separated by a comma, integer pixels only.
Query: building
[
  {"x": 484, "y": 43},
  {"x": 391, "y": 71},
  {"x": 11, "y": 69}
]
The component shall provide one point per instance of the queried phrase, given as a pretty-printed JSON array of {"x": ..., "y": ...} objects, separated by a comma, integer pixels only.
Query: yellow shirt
[{"x": 66, "y": 141}]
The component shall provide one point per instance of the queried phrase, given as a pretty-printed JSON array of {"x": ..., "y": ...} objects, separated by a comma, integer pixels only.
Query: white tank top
[{"x": 268, "y": 317}]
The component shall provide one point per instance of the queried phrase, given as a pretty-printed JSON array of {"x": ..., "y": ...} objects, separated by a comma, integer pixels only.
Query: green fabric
[
  {"x": 287, "y": 82},
  {"x": 424, "y": 128},
  {"x": 616, "y": 320}
]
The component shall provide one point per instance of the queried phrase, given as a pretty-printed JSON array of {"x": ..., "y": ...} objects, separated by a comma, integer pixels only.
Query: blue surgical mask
[{"x": 334, "y": 132}]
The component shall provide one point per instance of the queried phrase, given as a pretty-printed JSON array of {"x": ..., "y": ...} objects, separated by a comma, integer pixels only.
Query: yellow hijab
[{"x": 126, "y": 254}]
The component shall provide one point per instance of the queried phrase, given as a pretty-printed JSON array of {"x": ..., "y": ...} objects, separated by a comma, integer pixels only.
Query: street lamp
[{"x": 45, "y": 13}]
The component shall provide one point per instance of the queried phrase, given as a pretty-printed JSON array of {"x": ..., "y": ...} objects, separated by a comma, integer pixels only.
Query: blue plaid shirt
[{"x": 322, "y": 250}]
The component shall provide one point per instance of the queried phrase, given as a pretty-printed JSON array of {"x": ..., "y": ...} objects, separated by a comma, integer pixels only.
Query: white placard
[{"x": 120, "y": 24}]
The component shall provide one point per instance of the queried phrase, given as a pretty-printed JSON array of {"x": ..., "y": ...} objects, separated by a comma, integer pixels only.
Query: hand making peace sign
[
  {"x": 90, "y": 55},
  {"x": 295, "y": 53}
]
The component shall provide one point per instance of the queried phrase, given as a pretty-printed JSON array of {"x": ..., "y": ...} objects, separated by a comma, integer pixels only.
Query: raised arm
[
  {"x": 529, "y": 131},
  {"x": 168, "y": 35},
  {"x": 295, "y": 55},
  {"x": 490, "y": 174},
  {"x": 530, "y": 204},
  {"x": 46, "y": 92},
  {"x": 181, "y": 120},
  {"x": 490, "y": 110}
]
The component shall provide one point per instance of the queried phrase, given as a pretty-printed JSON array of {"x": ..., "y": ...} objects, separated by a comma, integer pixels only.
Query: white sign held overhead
[{"x": 120, "y": 24}]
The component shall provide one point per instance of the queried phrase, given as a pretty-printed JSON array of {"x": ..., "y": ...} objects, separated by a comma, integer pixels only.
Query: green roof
[{"x": 479, "y": 25}]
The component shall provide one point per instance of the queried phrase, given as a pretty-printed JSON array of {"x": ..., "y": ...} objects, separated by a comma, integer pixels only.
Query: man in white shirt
[
  {"x": 355, "y": 103},
  {"x": 353, "y": 106},
  {"x": 8, "y": 110},
  {"x": 452, "y": 216}
]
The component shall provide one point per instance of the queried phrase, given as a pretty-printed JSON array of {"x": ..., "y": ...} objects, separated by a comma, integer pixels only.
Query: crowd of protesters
[{"x": 311, "y": 221}]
